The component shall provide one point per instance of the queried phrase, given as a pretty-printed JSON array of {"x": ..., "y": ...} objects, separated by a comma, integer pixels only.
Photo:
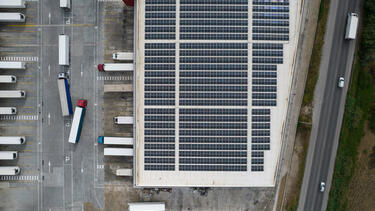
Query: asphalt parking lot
[
  {"x": 19, "y": 43},
  {"x": 55, "y": 175}
]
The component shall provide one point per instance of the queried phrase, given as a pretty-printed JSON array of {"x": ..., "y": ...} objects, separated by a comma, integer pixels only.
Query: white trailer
[
  {"x": 12, "y": 140},
  {"x": 115, "y": 67},
  {"x": 12, "y": 65},
  {"x": 63, "y": 49},
  {"x": 12, "y": 94},
  {"x": 65, "y": 4},
  {"x": 64, "y": 93},
  {"x": 8, "y": 155},
  {"x": 123, "y": 120},
  {"x": 146, "y": 206},
  {"x": 8, "y": 79},
  {"x": 118, "y": 152},
  {"x": 115, "y": 140},
  {"x": 79, "y": 114},
  {"x": 8, "y": 110},
  {"x": 9, "y": 170},
  {"x": 12, "y": 4},
  {"x": 123, "y": 56},
  {"x": 124, "y": 172},
  {"x": 351, "y": 27},
  {"x": 12, "y": 17}
]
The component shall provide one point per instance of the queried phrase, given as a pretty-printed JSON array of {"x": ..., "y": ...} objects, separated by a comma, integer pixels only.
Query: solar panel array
[
  {"x": 270, "y": 20},
  {"x": 160, "y": 19},
  {"x": 196, "y": 93}
]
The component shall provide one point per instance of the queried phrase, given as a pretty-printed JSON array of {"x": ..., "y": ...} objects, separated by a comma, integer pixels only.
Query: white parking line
[
  {"x": 19, "y": 178},
  {"x": 20, "y": 117},
  {"x": 115, "y": 78},
  {"x": 21, "y": 59}
]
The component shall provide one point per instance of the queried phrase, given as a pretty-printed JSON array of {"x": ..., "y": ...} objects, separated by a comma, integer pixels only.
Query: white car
[
  {"x": 322, "y": 186},
  {"x": 341, "y": 82}
]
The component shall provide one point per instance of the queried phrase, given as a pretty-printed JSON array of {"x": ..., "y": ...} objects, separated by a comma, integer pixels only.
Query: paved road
[{"x": 325, "y": 134}]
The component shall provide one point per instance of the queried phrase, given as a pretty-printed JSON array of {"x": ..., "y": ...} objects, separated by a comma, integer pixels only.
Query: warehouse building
[{"x": 212, "y": 83}]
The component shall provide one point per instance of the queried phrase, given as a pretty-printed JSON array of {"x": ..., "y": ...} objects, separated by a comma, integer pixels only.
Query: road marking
[
  {"x": 100, "y": 166},
  {"x": 28, "y": 107},
  {"x": 20, "y": 58},
  {"x": 51, "y": 25},
  {"x": 19, "y": 117},
  {"x": 17, "y": 53},
  {"x": 19, "y": 178},
  {"x": 16, "y": 31},
  {"x": 115, "y": 78}
]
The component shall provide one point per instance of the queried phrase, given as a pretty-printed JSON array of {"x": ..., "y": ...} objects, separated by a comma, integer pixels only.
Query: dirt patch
[
  {"x": 295, "y": 174},
  {"x": 281, "y": 195},
  {"x": 88, "y": 206},
  {"x": 117, "y": 197},
  {"x": 361, "y": 188}
]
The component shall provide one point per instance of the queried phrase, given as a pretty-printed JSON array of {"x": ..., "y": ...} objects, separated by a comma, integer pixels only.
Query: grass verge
[
  {"x": 303, "y": 135},
  {"x": 305, "y": 118},
  {"x": 358, "y": 109},
  {"x": 313, "y": 73}
]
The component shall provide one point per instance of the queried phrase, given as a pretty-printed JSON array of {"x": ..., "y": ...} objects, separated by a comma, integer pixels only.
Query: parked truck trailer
[
  {"x": 65, "y": 4},
  {"x": 123, "y": 120},
  {"x": 8, "y": 110},
  {"x": 8, "y": 79},
  {"x": 12, "y": 17},
  {"x": 149, "y": 206},
  {"x": 124, "y": 172},
  {"x": 76, "y": 126},
  {"x": 12, "y": 94},
  {"x": 12, "y": 140},
  {"x": 115, "y": 140},
  {"x": 118, "y": 152},
  {"x": 12, "y": 4},
  {"x": 64, "y": 92},
  {"x": 12, "y": 65},
  {"x": 8, "y": 155},
  {"x": 9, "y": 170},
  {"x": 123, "y": 56},
  {"x": 108, "y": 67}
]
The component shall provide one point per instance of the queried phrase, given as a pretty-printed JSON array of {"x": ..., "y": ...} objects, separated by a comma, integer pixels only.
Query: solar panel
[{"x": 200, "y": 72}]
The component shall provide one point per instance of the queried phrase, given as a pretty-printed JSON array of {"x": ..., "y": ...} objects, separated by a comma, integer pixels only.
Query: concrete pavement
[{"x": 70, "y": 171}]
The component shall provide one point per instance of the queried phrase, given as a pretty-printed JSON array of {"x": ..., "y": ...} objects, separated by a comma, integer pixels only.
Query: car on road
[
  {"x": 341, "y": 82},
  {"x": 322, "y": 186}
]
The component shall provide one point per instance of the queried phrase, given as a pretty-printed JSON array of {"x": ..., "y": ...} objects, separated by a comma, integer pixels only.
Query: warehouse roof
[{"x": 212, "y": 83}]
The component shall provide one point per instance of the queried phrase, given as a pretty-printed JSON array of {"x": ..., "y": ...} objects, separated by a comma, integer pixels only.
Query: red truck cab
[
  {"x": 82, "y": 103},
  {"x": 129, "y": 2},
  {"x": 101, "y": 67}
]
